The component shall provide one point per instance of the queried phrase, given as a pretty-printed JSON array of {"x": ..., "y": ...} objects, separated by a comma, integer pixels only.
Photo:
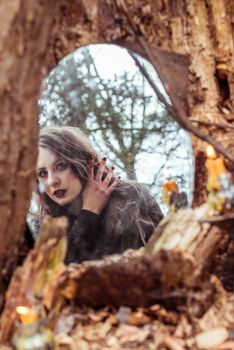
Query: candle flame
[
  {"x": 26, "y": 314},
  {"x": 170, "y": 186},
  {"x": 22, "y": 310},
  {"x": 210, "y": 152}
]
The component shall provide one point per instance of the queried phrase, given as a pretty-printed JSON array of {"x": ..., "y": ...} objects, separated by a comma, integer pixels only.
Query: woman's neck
[{"x": 74, "y": 207}]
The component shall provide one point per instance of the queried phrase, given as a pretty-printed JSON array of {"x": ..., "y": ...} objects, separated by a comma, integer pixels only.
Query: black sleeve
[
  {"x": 82, "y": 237},
  {"x": 29, "y": 236}
]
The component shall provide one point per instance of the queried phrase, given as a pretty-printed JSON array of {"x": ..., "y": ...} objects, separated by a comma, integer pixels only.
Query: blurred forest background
[{"x": 100, "y": 89}]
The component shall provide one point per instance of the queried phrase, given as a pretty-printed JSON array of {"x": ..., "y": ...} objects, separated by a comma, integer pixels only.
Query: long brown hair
[
  {"x": 73, "y": 146},
  {"x": 129, "y": 203}
]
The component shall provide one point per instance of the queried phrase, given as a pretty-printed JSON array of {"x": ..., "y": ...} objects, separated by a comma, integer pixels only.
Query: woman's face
[{"x": 55, "y": 174}]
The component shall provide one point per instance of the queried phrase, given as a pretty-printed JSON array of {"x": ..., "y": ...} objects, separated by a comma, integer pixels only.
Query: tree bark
[
  {"x": 43, "y": 262},
  {"x": 25, "y": 32},
  {"x": 199, "y": 33}
]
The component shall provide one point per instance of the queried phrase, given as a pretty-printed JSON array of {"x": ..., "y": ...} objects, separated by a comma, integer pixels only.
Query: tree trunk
[
  {"x": 25, "y": 32},
  {"x": 29, "y": 281}
]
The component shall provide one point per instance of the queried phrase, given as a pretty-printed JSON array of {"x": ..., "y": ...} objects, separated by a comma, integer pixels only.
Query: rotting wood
[{"x": 171, "y": 270}]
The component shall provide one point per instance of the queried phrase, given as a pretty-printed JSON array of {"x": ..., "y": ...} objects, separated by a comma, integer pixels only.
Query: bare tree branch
[
  {"x": 217, "y": 125},
  {"x": 177, "y": 112}
]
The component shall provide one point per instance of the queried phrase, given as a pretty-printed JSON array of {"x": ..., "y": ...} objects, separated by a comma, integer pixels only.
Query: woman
[{"x": 106, "y": 215}]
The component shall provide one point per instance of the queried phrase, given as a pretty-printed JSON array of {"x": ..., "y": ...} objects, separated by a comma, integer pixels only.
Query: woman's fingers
[
  {"x": 108, "y": 177},
  {"x": 101, "y": 169},
  {"x": 114, "y": 183},
  {"x": 91, "y": 168},
  {"x": 109, "y": 180},
  {"x": 97, "y": 191}
]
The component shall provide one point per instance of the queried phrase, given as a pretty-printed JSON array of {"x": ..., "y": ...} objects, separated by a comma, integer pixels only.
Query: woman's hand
[{"x": 97, "y": 191}]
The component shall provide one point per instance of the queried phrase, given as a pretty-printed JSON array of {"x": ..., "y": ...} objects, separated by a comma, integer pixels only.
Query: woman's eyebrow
[
  {"x": 54, "y": 163},
  {"x": 58, "y": 160},
  {"x": 41, "y": 168}
]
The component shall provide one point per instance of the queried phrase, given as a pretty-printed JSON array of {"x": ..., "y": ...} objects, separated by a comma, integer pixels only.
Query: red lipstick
[{"x": 59, "y": 193}]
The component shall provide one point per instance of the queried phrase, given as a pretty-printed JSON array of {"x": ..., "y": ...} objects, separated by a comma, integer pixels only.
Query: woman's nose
[{"x": 53, "y": 179}]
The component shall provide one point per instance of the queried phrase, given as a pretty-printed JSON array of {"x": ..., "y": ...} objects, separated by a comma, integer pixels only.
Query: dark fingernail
[
  {"x": 104, "y": 159},
  {"x": 113, "y": 168}
]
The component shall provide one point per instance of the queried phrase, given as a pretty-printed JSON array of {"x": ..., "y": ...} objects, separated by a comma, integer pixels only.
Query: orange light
[
  {"x": 210, "y": 152},
  {"x": 171, "y": 186},
  {"x": 216, "y": 167},
  {"x": 26, "y": 314}
]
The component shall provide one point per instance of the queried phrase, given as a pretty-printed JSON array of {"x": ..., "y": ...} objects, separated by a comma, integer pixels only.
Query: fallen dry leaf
[
  {"x": 138, "y": 318},
  {"x": 96, "y": 331},
  {"x": 65, "y": 324},
  {"x": 229, "y": 345},
  {"x": 211, "y": 338},
  {"x": 128, "y": 334},
  {"x": 63, "y": 339},
  {"x": 173, "y": 344},
  {"x": 98, "y": 316}
]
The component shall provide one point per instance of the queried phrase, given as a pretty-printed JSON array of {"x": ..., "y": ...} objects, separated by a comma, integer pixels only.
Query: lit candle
[
  {"x": 26, "y": 314},
  {"x": 215, "y": 167},
  {"x": 30, "y": 333},
  {"x": 169, "y": 188}
]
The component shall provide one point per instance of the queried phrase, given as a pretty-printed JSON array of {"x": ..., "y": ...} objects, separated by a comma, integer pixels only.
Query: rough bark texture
[
  {"x": 29, "y": 281},
  {"x": 193, "y": 42},
  {"x": 25, "y": 30},
  {"x": 200, "y": 180}
]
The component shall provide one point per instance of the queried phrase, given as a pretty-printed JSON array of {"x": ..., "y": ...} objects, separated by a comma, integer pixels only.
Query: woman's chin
[
  {"x": 74, "y": 202},
  {"x": 62, "y": 201}
]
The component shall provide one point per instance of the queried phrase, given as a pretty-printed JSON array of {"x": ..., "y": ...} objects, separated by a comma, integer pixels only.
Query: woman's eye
[
  {"x": 42, "y": 173},
  {"x": 62, "y": 166}
]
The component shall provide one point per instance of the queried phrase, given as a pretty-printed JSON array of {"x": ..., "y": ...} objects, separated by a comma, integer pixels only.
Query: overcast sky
[{"x": 111, "y": 60}]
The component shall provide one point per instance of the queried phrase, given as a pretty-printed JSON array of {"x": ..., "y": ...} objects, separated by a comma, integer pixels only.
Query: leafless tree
[{"x": 122, "y": 115}]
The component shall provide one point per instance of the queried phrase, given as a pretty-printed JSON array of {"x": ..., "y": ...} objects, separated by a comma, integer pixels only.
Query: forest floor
[
  {"x": 132, "y": 301},
  {"x": 173, "y": 323}
]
